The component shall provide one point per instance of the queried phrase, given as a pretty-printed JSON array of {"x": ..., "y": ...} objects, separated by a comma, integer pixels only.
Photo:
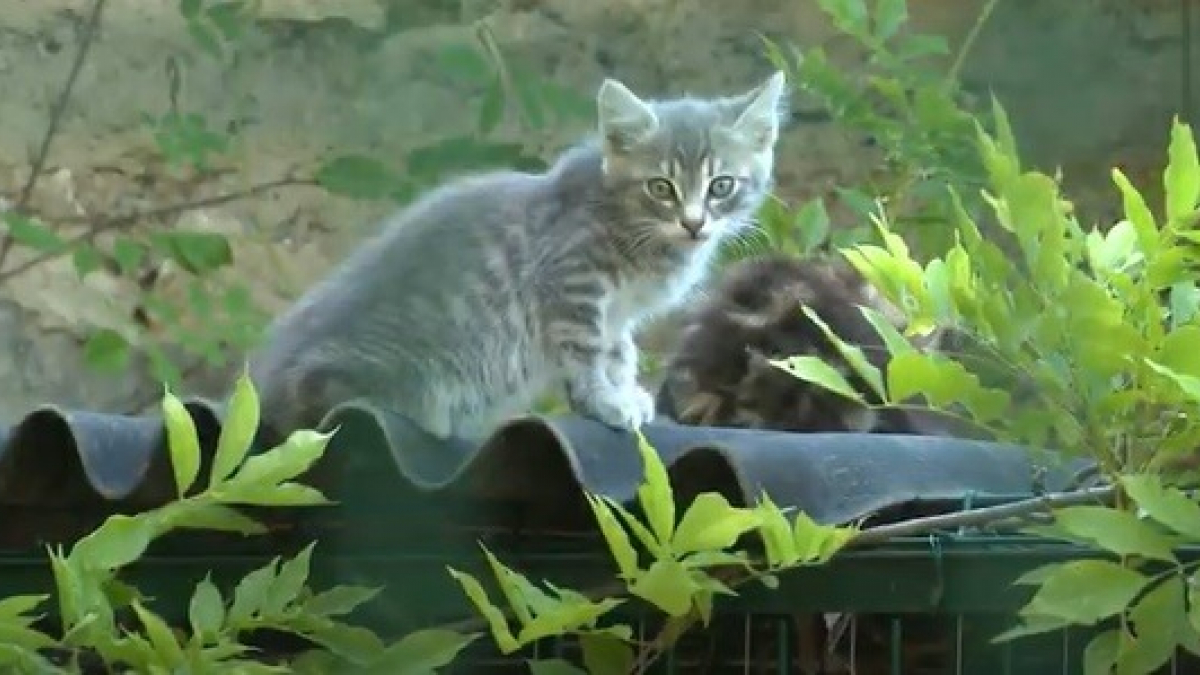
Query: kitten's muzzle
[{"x": 692, "y": 226}]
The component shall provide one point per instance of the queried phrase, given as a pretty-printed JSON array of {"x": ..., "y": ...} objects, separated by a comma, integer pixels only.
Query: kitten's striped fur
[{"x": 486, "y": 291}]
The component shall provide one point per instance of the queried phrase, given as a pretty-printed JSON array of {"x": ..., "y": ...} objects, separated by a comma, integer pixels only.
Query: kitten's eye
[
  {"x": 660, "y": 188},
  {"x": 721, "y": 187}
]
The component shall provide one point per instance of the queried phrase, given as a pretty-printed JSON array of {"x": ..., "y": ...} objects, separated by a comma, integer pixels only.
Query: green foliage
[
  {"x": 90, "y": 594},
  {"x": 685, "y": 554},
  {"x": 1082, "y": 342},
  {"x": 905, "y": 101}
]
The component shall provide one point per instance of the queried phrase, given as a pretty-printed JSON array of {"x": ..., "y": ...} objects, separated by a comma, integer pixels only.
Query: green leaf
[
  {"x": 1100, "y": 655},
  {"x": 421, "y": 652},
  {"x": 1193, "y": 590},
  {"x": 354, "y": 643},
  {"x": 1189, "y": 385},
  {"x": 288, "y": 583},
  {"x": 1119, "y": 532},
  {"x": 129, "y": 254},
  {"x": 1181, "y": 178},
  {"x": 1160, "y": 621},
  {"x": 237, "y": 433},
  {"x": 284, "y": 494},
  {"x": 667, "y": 585},
  {"x": 814, "y": 370},
  {"x": 818, "y": 543},
  {"x": 1164, "y": 504},
  {"x": 119, "y": 541},
  {"x": 33, "y": 234},
  {"x": 356, "y": 176},
  {"x": 205, "y": 36},
  {"x": 944, "y": 383},
  {"x": 501, "y": 633},
  {"x": 491, "y": 108},
  {"x": 555, "y": 667},
  {"x": 107, "y": 351},
  {"x": 615, "y": 536},
  {"x": 606, "y": 654},
  {"x": 205, "y": 515},
  {"x": 1086, "y": 591},
  {"x": 779, "y": 543},
  {"x": 439, "y": 160},
  {"x": 250, "y": 594},
  {"x": 229, "y": 17},
  {"x": 812, "y": 225},
  {"x": 182, "y": 441},
  {"x": 712, "y": 523},
  {"x": 206, "y": 610},
  {"x": 86, "y": 259},
  {"x": 892, "y": 339},
  {"x": 160, "y": 636},
  {"x": 890, "y": 15},
  {"x": 1137, "y": 213},
  {"x": 654, "y": 493},
  {"x": 853, "y": 355},
  {"x": 465, "y": 63},
  {"x": 189, "y": 8},
  {"x": 295, "y": 456},
  {"x": 195, "y": 252},
  {"x": 340, "y": 600}
]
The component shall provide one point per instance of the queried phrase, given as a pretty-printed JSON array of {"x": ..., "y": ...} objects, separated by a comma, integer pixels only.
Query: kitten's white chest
[{"x": 643, "y": 298}]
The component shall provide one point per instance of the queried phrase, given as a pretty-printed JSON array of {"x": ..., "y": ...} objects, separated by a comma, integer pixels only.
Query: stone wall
[{"x": 1089, "y": 84}]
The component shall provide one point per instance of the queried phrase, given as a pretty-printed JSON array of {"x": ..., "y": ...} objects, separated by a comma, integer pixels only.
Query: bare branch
[
  {"x": 100, "y": 224},
  {"x": 56, "y": 115}
]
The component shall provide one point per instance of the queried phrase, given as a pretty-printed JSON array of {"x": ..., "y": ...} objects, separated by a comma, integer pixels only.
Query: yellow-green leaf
[
  {"x": 814, "y": 370},
  {"x": 206, "y": 610},
  {"x": 818, "y": 543},
  {"x": 667, "y": 585},
  {"x": 712, "y": 523},
  {"x": 1189, "y": 385},
  {"x": 779, "y": 543},
  {"x": 160, "y": 636},
  {"x": 1165, "y": 504},
  {"x": 1137, "y": 213},
  {"x": 421, "y": 652},
  {"x": 237, "y": 433},
  {"x": 605, "y": 654},
  {"x": 1120, "y": 532},
  {"x": 1086, "y": 591},
  {"x": 119, "y": 541},
  {"x": 505, "y": 640},
  {"x": 619, "y": 545},
  {"x": 1181, "y": 178},
  {"x": 182, "y": 441},
  {"x": 1100, "y": 655},
  {"x": 1160, "y": 621},
  {"x": 654, "y": 494},
  {"x": 853, "y": 355}
]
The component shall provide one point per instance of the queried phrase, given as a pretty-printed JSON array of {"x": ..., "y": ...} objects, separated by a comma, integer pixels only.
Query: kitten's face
[{"x": 688, "y": 171}]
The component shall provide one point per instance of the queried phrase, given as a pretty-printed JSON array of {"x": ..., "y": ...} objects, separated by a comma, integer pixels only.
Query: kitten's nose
[{"x": 692, "y": 225}]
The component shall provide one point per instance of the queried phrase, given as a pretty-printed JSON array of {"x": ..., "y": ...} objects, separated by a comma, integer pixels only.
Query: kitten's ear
[
  {"x": 624, "y": 119},
  {"x": 759, "y": 113}
]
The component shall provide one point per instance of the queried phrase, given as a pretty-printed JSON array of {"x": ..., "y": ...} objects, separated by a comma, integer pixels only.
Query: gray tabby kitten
[{"x": 483, "y": 293}]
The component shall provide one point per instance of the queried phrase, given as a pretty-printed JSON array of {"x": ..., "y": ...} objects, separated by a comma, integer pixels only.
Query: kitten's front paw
[{"x": 626, "y": 409}]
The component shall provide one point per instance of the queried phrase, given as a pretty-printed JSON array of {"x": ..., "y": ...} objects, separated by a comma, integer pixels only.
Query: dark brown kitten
[{"x": 721, "y": 373}]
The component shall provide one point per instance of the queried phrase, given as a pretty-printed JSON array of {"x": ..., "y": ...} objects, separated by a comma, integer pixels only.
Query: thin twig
[
  {"x": 56, "y": 115},
  {"x": 102, "y": 223},
  {"x": 984, "y": 516}
]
